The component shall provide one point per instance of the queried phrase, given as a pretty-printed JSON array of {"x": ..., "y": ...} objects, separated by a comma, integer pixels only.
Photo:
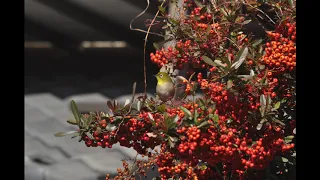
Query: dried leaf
[
  {"x": 109, "y": 103},
  {"x": 241, "y": 56},
  {"x": 294, "y": 131},
  {"x": 60, "y": 134}
]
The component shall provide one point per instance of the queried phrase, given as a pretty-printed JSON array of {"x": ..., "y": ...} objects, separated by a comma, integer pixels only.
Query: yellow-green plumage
[{"x": 165, "y": 88}]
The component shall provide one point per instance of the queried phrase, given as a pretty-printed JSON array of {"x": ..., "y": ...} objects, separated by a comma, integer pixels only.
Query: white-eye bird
[{"x": 167, "y": 90}]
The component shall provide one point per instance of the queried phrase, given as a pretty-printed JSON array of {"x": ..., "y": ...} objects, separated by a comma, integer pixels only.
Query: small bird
[
  {"x": 165, "y": 87},
  {"x": 167, "y": 90}
]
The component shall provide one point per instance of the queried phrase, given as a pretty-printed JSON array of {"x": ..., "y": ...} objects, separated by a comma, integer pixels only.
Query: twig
[
  {"x": 233, "y": 42},
  {"x": 144, "y": 50},
  {"x": 259, "y": 11},
  {"x": 140, "y": 30}
]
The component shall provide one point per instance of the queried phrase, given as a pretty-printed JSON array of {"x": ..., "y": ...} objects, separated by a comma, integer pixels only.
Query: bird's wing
[{"x": 180, "y": 88}]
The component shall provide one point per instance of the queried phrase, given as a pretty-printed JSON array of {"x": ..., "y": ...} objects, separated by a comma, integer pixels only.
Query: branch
[{"x": 144, "y": 50}]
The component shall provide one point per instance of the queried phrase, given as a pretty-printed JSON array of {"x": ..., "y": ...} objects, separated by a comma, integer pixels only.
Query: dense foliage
[{"x": 242, "y": 126}]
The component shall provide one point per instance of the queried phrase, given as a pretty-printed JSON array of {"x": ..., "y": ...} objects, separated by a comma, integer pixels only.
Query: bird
[{"x": 167, "y": 90}]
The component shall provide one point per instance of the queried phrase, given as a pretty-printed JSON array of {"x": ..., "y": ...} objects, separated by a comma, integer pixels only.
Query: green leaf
[
  {"x": 209, "y": 61},
  {"x": 89, "y": 135},
  {"x": 215, "y": 118},
  {"x": 227, "y": 60},
  {"x": 279, "y": 122},
  {"x": 139, "y": 105},
  {"x": 75, "y": 111},
  {"x": 224, "y": 12},
  {"x": 284, "y": 159},
  {"x": 195, "y": 117},
  {"x": 259, "y": 126},
  {"x": 176, "y": 119},
  {"x": 235, "y": 145},
  {"x": 291, "y": 3},
  {"x": 229, "y": 121},
  {"x": 288, "y": 139},
  {"x": 151, "y": 134},
  {"x": 151, "y": 119},
  {"x": 72, "y": 121},
  {"x": 202, "y": 104},
  {"x": 173, "y": 21},
  {"x": 240, "y": 58},
  {"x": 60, "y": 134},
  {"x": 208, "y": 30},
  {"x": 245, "y": 76},
  {"x": 127, "y": 102},
  {"x": 186, "y": 111},
  {"x": 229, "y": 84},
  {"x": 161, "y": 9},
  {"x": 198, "y": 4},
  {"x": 156, "y": 46},
  {"x": 203, "y": 10},
  {"x": 90, "y": 119},
  {"x": 246, "y": 22},
  {"x": 172, "y": 141},
  {"x": 277, "y": 105},
  {"x": 211, "y": 116},
  {"x": 204, "y": 123},
  {"x": 256, "y": 42}
]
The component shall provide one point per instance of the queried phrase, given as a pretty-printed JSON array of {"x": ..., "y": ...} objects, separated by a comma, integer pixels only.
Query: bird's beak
[{"x": 154, "y": 75}]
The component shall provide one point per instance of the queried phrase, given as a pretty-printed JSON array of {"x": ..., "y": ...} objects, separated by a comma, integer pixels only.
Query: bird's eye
[{"x": 161, "y": 75}]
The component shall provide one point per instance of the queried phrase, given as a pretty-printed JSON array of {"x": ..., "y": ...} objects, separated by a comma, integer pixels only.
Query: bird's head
[{"x": 163, "y": 77}]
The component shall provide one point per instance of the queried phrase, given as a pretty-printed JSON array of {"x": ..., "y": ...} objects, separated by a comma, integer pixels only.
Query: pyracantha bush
[{"x": 242, "y": 126}]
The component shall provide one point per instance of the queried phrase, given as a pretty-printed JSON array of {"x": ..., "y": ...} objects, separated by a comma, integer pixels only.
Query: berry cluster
[
  {"x": 281, "y": 50},
  {"x": 129, "y": 134},
  {"x": 243, "y": 121}
]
